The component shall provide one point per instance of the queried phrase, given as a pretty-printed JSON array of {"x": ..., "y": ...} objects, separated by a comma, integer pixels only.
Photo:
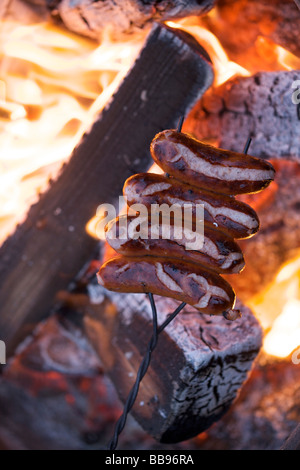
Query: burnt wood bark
[
  {"x": 260, "y": 106},
  {"x": 196, "y": 370},
  {"x": 293, "y": 441},
  {"x": 47, "y": 251},
  {"x": 89, "y": 18},
  {"x": 266, "y": 412}
]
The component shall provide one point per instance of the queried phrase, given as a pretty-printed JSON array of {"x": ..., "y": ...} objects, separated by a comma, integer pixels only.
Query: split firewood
[
  {"x": 90, "y": 17},
  {"x": 196, "y": 370},
  {"x": 48, "y": 250},
  {"x": 260, "y": 106}
]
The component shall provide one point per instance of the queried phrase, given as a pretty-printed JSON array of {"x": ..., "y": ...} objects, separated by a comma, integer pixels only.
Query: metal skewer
[{"x": 142, "y": 369}]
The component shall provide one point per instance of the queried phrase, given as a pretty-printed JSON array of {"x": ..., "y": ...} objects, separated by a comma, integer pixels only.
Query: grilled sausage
[
  {"x": 180, "y": 280},
  {"x": 205, "y": 166},
  {"x": 223, "y": 212},
  {"x": 136, "y": 236},
  {"x": 150, "y": 261}
]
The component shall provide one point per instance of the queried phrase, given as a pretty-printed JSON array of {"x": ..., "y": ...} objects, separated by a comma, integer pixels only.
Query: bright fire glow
[
  {"x": 288, "y": 60},
  {"x": 52, "y": 85},
  {"x": 278, "y": 309},
  {"x": 284, "y": 336},
  {"x": 223, "y": 67}
]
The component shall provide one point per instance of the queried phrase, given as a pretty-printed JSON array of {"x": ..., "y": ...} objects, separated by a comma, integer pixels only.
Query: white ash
[
  {"x": 244, "y": 332},
  {"x": 259, "y": 106}
]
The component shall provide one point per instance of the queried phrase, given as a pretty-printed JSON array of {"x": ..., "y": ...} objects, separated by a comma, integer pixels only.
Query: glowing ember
[
  {"x": 285, "y": 334},
  {"x": 52, "y": 85},
  {"x": 288, "y": 60}
]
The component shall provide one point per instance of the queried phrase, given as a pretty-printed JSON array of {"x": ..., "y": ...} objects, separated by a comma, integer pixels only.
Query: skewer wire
[
  {"x": 247, "y": 145},
  {"x": 142, "y": 369},
  {"x": 180, "y": 124}
]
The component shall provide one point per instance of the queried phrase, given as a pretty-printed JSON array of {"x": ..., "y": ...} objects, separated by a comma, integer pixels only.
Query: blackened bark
[{"x": 90, "y": 17}]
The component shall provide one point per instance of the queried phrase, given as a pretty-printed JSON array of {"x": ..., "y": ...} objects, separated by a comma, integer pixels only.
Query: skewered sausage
[
  {"x": 190, "y": 283},
  {"x": 149, "y": 261},
  {"x": 212, "y": 249},
  {"x": 222, "y": 211},
  {"x": 205, "y": 166}
]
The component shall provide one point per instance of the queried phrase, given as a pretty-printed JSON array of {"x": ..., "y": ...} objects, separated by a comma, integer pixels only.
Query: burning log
[
  {"x": 249, "y": 30},
  {"x": 90, "y": 18},
  {"x": 196, "y": 370},
  {"x": 259, "y": 106},
  {"x": 48, "y": 250}
]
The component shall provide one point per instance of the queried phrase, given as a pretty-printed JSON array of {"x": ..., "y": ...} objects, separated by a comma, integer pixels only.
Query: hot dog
[
  {"x": 222, "y": 211},
  {"x": 183, "y": 281},
  {"x": 207, "y": 167},
  {"x": 215, "y": 251}
]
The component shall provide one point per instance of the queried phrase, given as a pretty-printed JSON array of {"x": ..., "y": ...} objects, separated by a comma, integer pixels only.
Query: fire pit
[{"x": 83, "y": 91}]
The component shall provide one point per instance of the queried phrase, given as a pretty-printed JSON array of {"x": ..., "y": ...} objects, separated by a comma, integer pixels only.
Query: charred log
[
  {"x": 90, "y": 18},
  {"x": 265, "y": 413},
  {"x": 260, "y": 106},
  {"x": 53, "y": 394},
  {"x": 196, "y": 370}
]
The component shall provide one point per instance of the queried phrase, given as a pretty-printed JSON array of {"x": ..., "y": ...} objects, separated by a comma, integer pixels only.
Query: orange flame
[
  {"x": 223, "y": 67},
  {"x": 52, "y": 86},
  {"x": 278, "y": 309}
]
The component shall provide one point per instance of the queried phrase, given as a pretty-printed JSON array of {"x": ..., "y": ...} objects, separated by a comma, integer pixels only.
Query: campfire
[{"x": 83, "y": 91}]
